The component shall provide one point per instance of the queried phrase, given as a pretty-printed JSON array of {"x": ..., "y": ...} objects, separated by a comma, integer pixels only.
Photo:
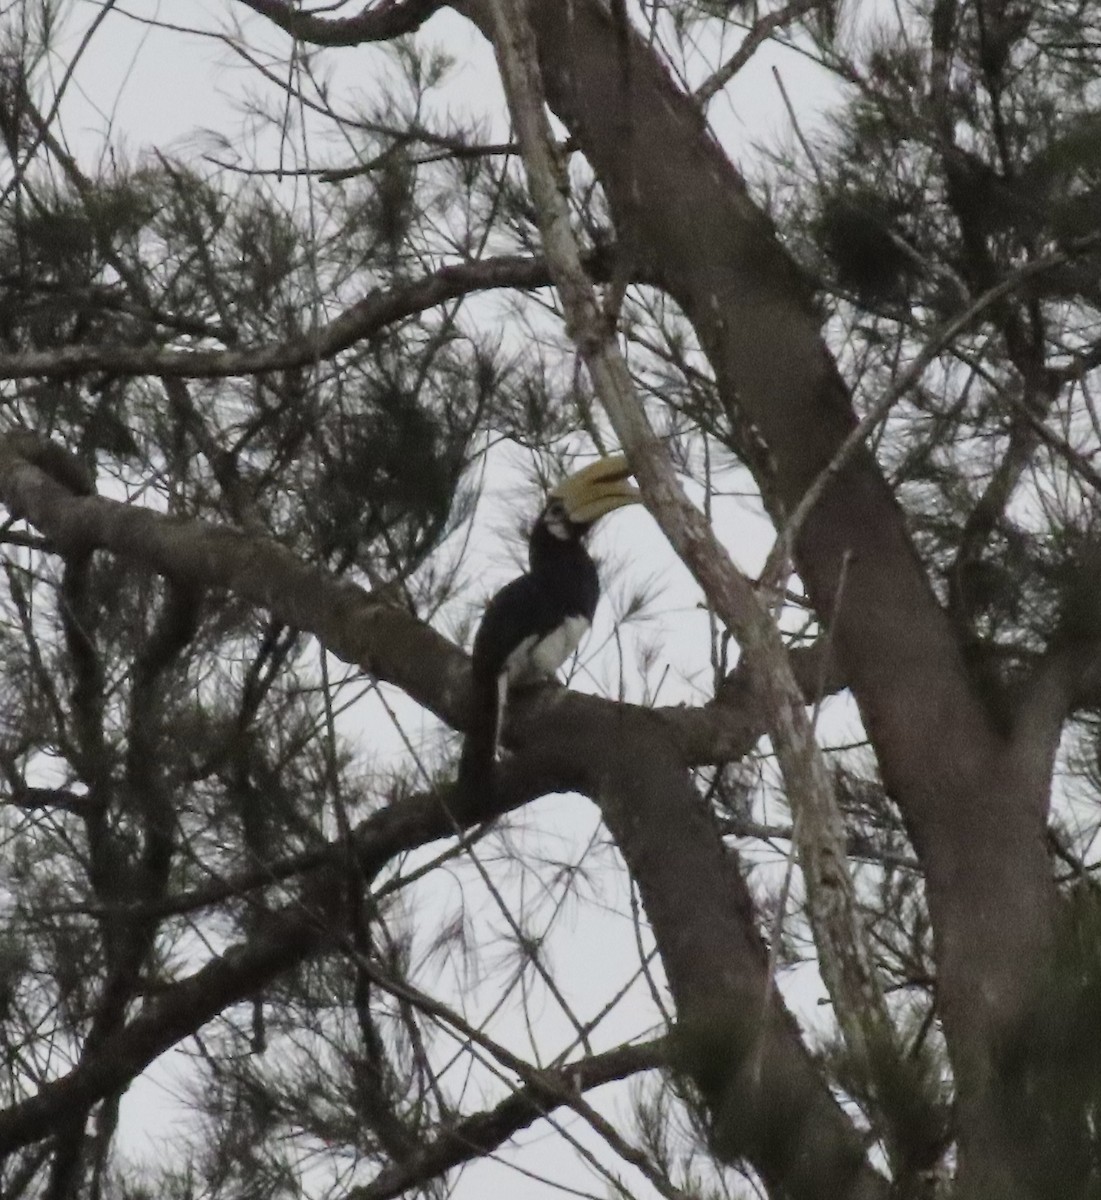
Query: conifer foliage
[{"x": 276, "y": 400}]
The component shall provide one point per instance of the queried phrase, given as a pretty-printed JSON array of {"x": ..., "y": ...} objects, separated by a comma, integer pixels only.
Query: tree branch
[
  {"x": 758, "y": 33},
  {"x": 877, "y": 412},
  {"x": 390, "y": 19},
  {"x": 361, "y": 320},
  {"x": 288, "y": 936},
  {"x": 478, "y": 1135},
  {"x": 41, "y": 483}
]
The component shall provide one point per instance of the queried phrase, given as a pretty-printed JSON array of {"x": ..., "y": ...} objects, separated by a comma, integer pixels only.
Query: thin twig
[
  {"x": 755, "y": 36},
  {"x": 818, "y": 173}
]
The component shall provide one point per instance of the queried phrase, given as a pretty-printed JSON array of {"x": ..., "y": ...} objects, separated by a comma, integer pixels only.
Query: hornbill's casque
[{"x": 533, "y": 624}]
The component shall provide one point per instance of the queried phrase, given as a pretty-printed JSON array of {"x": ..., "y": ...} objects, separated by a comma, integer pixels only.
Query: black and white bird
[{"x": 533, "y": 624}]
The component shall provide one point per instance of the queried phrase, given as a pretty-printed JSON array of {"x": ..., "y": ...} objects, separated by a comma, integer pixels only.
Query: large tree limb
[
  {"x": 377, "y": 23},
  {"x": 374, "y": 312},
  {"x": 766, "y": 1099},
  {"x": 44, "y": 485}
]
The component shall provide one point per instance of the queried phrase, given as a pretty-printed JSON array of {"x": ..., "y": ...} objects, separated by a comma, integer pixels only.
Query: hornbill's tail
[{"x": 480, "y": 744}]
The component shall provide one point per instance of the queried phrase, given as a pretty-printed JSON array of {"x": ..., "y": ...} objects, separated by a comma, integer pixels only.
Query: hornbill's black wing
[{"x": 522, "y": 611}]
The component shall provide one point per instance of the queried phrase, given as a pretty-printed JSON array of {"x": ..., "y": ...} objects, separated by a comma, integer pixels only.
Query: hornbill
[{"x": 533, "y": 624}]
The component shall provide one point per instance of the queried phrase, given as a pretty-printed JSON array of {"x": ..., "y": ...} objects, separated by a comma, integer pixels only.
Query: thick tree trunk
[
  {"x": 766, "y": 1098},
  {"x": 976, "y": 808}
]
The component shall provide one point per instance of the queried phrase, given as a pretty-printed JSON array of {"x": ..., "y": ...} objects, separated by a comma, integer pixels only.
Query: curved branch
[
  {"x": 766, "y": 1099},
  {"x": 390, "y": 19},
  {"x": 39, "y": 483},
  {"x": 478, "y": 1135},
  {"x": 374, "y": 312}
]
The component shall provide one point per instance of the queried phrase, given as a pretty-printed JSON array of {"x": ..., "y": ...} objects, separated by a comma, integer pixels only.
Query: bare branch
[
  {"x": 482, "y": 1133},
  {"x": 378, "y": 23},
  {"x": 860, "y": 845},
  {"x": 756, "y": 35}
]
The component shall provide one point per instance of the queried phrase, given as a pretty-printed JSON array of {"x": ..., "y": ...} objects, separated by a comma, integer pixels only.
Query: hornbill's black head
[{"x": 535, "y": 622}]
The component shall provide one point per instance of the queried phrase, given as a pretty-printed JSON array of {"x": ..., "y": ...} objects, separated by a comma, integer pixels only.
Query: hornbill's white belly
[{"x": 537, "y": 658}]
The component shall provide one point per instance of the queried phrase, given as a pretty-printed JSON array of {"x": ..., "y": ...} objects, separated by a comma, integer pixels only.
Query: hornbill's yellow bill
[
  {"x": 533, "y": 624},
  {"x": 596, "y": 490}
]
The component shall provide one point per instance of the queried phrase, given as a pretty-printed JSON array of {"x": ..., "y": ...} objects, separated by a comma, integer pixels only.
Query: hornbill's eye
[{"x": 556, "y": 518}]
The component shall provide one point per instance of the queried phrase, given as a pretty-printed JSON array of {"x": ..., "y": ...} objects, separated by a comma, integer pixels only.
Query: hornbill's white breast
[{"x": 538, "y": 657}]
